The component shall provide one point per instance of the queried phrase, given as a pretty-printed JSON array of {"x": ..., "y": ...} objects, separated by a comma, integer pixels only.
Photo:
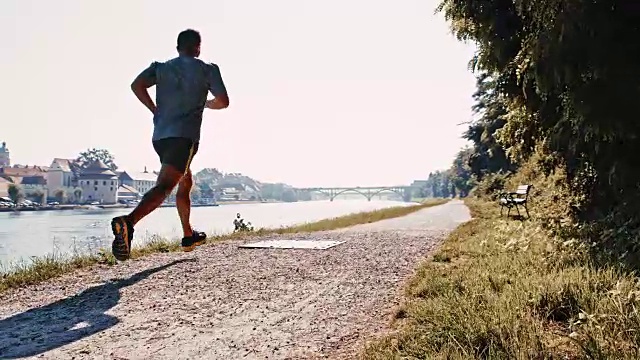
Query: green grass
[
  {"x": 503, "y": 289},
  {"x": 45, "y": 268}
]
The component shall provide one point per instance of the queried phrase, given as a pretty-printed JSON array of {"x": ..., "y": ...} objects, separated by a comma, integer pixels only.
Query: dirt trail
[{"x": 222, "y": 302}]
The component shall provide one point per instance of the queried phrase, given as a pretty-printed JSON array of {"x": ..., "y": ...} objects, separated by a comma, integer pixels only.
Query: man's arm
[
  {"x": 217, "y": 89},
  {"x": 142, "y": 82}
]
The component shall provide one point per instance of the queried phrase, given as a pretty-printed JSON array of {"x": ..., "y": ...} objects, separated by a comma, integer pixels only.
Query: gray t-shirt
[{"x": 181, "y": 92}]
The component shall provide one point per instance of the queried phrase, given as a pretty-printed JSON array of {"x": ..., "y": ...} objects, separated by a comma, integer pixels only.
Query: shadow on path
[{"x": 65, "y": 321}]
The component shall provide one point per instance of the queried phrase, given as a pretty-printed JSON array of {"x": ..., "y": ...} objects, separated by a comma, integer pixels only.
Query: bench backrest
[{"x": 523, "y": 190}]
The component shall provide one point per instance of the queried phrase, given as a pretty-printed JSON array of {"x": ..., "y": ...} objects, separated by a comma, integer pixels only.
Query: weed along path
[{"x": 226, "y": 302}]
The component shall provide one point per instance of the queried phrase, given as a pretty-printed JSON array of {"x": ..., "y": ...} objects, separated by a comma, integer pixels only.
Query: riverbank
[
  {"x": 123, "y": 206},
  {"x": 44, "y": 268},
  {"x": 503, "y": 288}
]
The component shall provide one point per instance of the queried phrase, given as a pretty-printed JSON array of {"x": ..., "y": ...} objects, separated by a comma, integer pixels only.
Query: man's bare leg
[
  {"x": 122, "y": 226},
  {"x": 183, "y": 202},
  {"x": 167, "y": 180},
  {"x": 191, "y": 237}
]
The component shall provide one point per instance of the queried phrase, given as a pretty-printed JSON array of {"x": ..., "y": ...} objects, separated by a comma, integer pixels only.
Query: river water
[{"x": 27, "y": 234}]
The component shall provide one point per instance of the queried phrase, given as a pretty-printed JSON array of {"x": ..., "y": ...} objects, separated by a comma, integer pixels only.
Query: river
[{"x": 41, "y": 233}]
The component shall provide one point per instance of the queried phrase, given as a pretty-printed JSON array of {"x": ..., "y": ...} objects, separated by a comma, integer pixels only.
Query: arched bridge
[{"x": 368, "y": 192}]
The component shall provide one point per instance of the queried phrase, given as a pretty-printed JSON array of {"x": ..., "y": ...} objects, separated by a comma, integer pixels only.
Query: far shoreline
[
  {"x": 125, "y": 206},
  {"x": 68, "y": 207}
]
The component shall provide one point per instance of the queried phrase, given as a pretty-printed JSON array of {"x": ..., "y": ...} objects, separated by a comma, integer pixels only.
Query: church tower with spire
[{"x": 5, "y": 159}]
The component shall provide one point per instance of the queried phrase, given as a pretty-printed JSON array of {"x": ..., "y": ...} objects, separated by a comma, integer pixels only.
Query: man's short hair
[{"x": 188, "y": 40}]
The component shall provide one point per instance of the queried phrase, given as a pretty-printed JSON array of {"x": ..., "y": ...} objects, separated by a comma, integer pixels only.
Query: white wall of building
[
  {"x": 103, "y": 190},
  {"x": 55, "y": 179},
  {"x": 58, "y": 178}
]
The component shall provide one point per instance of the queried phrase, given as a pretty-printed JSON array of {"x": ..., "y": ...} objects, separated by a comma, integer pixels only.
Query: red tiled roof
[
  {"x": 142, "y": 176},
  {"x": 126, "y": 188},
  {"x": 65, "y": 164},
  {"x": 22, "y": 171}
]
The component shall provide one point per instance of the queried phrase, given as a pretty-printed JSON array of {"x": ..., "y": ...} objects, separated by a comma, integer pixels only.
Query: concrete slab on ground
[{"x": 292, "y": 244}]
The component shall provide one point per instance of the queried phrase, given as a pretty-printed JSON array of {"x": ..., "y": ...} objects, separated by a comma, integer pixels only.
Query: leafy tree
[
  {"x": 60, "y": 195},
  {"x": 196, "y": 193},
  {"x": 487, "y": 155},
  {"x": 289, "y": 196},
  {"x": 304, "y": 196},
  {"x": 205, "y": 190},
  {"x": 209, "y": 176},
  {"x": 15, "y": 193},
  {"x": 91, "y": 155},
  {"x": 69, "y": 197},
  {"x": 439, "y": 185},
  {"x": 35, "y": 195},
  {"x": 407, "y": 195},
  {"x": 566, "y": 71},
  {"x": 460, "y": 174},
  {"x": 273, "y": 191},
  {"x": 77, "y": 194}
]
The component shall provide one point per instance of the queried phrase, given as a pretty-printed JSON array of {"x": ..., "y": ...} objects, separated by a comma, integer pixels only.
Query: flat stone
[{"x": 292, "y": 244}]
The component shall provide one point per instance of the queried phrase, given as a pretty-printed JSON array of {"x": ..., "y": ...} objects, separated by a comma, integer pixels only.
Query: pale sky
[{"x": 323, "y": 93}]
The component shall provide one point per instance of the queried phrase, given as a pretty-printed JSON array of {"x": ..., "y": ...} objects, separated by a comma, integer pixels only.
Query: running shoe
[
  {"x": 196, "y": 239},
  {"x": 122, "y": 229}
]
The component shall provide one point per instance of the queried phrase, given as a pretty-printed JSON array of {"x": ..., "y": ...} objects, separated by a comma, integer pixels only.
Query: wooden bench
[{"x": 515, "y": 200}]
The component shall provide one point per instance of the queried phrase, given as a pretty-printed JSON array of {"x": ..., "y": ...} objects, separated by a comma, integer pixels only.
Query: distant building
[
  {"x": 127, "y": 193},
  {"x": 99, "y": 183},
  {"x": 140, "y": 181},
  {"x": 5, "y": 159},
  {"x": 62, "y": 174},
  {"x": 24, "y": 170},
  {"x": 4, "y": 187},
  {"x": 31, "y": 179},
  {"x": 26, "y": 175}
]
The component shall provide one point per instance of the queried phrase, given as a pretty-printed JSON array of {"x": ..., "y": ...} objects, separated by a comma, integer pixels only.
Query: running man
[{"x": 181, "y": 95}]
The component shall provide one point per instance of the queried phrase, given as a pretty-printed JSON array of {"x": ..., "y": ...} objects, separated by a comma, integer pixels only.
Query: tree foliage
[
  {"x": 461, "y": 177},
  {"x": 15, "y": 193},
  {"x": 196, "y": 193},
  {"x": 60, "y": 195},
  {"x": 91, "y": 155},
  {"x": 77, "y": 195},
  {"x": 488, "y": 154},
  {"x": 34, "y": 195},
  {"x": 278, "y": 192},
  {"x": 438, "y": 185},
  {"x": 566, "y": 71}
]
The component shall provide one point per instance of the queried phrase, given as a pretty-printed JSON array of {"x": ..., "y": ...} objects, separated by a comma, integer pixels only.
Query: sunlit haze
[{"x": 323, "y": 93}]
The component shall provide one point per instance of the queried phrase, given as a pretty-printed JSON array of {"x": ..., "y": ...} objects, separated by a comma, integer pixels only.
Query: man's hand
[
  {"x": 218, "y": 103},
  {"x": 142, "y": 82},
  {"x": 139, "y": 88},
  {"x": 217, "y": 89}
]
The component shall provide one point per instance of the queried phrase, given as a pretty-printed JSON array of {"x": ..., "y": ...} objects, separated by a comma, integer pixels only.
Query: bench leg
[
  {"x": 527, "y": 210},
  {"x": 518, "y": 210}
]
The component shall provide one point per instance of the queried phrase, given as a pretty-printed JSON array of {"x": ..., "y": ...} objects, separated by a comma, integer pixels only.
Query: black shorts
[{"x": 177, "y": 152}]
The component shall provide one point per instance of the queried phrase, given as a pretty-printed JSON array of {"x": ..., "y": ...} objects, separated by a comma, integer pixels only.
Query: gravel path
[{"x": 222, "y": 302}]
